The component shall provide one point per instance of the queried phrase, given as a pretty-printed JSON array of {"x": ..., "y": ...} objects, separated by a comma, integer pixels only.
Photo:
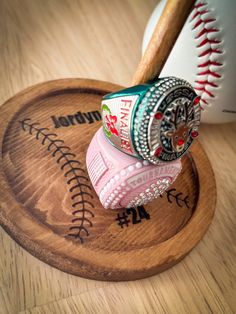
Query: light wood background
[{"x": 50, "y": 39}]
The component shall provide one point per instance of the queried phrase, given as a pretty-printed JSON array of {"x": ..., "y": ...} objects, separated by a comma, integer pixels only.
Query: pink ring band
[{"x": 121, "y": 180}]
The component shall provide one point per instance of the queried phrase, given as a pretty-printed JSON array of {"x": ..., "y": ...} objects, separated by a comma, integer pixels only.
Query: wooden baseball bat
[{"x": 163, "y": 39}]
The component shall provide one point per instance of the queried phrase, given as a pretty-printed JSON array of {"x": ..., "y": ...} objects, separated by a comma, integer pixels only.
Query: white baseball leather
[{"x": 205, "y": 55}]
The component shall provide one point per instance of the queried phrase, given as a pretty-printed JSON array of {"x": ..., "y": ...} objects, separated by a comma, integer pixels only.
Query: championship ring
[
  {"x": 121, "y": 180},
  {"x": 156, "y": 122}
]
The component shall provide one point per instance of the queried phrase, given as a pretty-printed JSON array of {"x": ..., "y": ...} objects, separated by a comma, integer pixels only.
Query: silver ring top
[
  {"x": 157, "y": 122},
  {"x": 166, "y": 121}
]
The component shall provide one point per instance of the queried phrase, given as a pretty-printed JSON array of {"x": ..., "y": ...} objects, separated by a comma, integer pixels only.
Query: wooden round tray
[{"x": 47, "y": 203}]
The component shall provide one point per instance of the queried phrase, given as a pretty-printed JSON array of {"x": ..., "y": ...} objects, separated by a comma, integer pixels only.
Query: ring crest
[{"x": 157, "y": 122}]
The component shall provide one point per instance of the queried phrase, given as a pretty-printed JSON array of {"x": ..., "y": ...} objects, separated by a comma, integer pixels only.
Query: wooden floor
[{"x": 49, "y": 39}]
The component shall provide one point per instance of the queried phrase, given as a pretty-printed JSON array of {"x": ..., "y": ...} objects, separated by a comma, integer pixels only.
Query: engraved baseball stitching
[
  {"x": 200, "y": 18},
  {"x": 73, "y": 164},
  {"x": 177, "y": 197}
]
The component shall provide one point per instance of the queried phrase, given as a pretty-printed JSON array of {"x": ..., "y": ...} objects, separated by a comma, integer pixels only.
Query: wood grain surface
[
  {"x": 48, "y": 205},
  {"x": 43, "y": 40}
]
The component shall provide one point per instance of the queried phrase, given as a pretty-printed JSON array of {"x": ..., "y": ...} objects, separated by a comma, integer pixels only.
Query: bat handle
[{"x": 163, "y": 39}]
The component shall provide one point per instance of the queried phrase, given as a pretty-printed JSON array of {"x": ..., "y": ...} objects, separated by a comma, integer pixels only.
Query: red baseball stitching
[{"x": 199, "y": 19}]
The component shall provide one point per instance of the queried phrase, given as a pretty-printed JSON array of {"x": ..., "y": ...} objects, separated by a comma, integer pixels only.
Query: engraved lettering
[{"x": 77, "y": 118}]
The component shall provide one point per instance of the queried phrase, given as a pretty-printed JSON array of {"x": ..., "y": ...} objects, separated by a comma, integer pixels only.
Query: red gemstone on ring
[
  {"x": 194, "y": 134},
  {"x": 196, "y": 100},
  {"x": 180, "y": 142},
  {"x": 158, "y": 151},
  {"x": 158, "y": 115}
]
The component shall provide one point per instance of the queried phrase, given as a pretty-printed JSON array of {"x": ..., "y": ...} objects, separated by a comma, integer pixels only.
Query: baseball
[{"x": 204, "y": 55}]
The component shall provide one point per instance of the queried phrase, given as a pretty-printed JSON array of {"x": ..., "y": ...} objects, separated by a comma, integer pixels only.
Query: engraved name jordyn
[{"x": 75, "y": 119}]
